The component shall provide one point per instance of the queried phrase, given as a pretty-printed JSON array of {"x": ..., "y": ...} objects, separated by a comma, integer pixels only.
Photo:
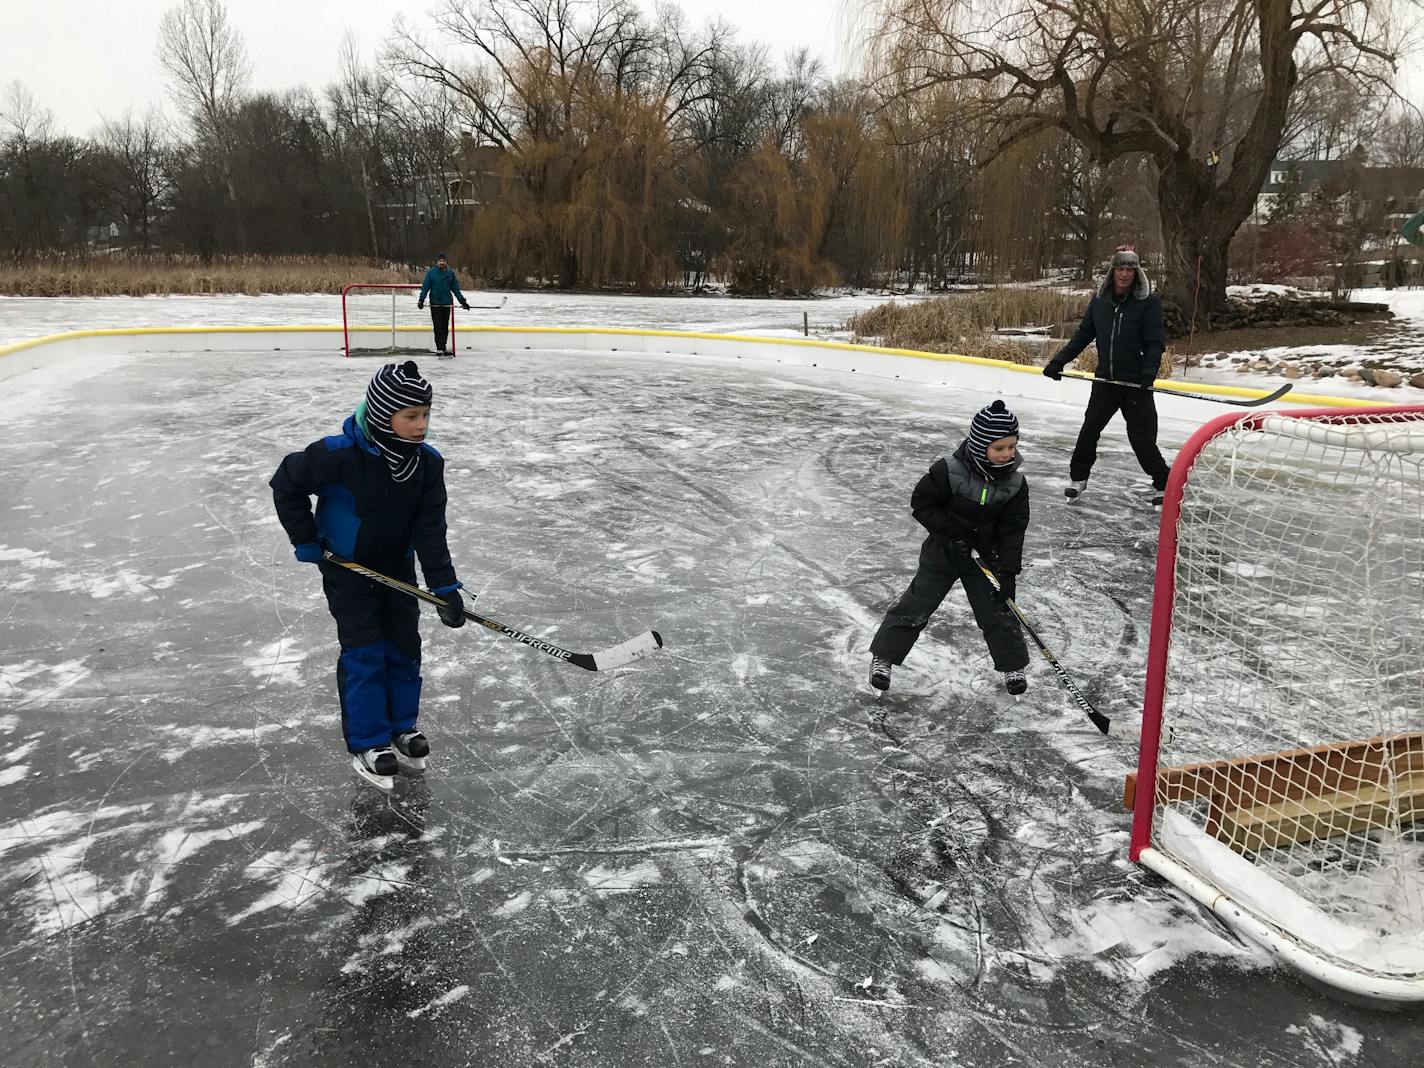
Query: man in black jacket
[{"x": 1125, "y": 318}]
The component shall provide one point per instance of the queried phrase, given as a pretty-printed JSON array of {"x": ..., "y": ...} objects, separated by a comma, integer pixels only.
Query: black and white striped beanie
[
  {"x": 395, "y": 386},
  {"x": 990, "y": 423}
]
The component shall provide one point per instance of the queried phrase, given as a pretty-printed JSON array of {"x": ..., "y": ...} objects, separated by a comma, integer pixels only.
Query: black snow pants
[
  {"x": 440, "y": 319},
  {"x": 1140, "y": 413},
  {"x": 941, "y": 564}
]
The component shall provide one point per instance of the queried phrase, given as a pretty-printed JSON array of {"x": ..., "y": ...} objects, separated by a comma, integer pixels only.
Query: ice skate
[
  {"x": 377, "y": 766},
  {"x": 1074, "y": 490},
  {"x": 1015, "y": 682},
  {"x": 411, "y": 750},
  {"x": 880, "y": 674}
]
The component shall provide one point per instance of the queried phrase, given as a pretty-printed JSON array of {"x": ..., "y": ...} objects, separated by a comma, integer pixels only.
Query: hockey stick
[
  {"x": 635, "y": 648},
  {"x": 1099, "y": 720},
  {"x": 1254, "y": 402},
  {"x": 488, "y": 307}
]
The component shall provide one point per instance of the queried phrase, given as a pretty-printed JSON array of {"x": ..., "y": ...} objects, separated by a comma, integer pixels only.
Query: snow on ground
[
  {"x": 1400, "y": 347},
  {"x": 724, "y": 854}
]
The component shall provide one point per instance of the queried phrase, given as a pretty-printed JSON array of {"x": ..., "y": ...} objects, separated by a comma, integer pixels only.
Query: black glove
[
  {"x": 464, "y": 305},
  {"x": 420, "y": 304},
  {"x": 1008, "y": 587},
  {"x": 1053, "y": 371},
  {"x": 958, "y": 547},
  {"x": 453, "y": 612}
]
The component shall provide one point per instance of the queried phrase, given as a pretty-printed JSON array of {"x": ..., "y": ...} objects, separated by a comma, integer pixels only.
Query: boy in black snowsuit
[
  {"x": 380, "y": 502},
  {"x": 973, "y": 500}
]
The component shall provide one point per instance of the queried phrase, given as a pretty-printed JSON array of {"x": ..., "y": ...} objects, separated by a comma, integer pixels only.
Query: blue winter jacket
[
  {"x": 442, "y": 287},
  {"x": 362, "y": 513}
]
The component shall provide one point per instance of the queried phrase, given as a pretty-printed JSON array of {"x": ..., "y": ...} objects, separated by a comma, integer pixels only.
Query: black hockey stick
[
  {"x": 635, "y": 648},
  {"x": 488, "y": 307},
  {"x": 1254, "y": 402},
  {"x": 1099, "y": 720}
]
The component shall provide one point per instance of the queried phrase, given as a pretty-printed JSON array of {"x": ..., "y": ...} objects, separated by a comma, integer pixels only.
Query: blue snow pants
[{"x": 378, "y": 672}]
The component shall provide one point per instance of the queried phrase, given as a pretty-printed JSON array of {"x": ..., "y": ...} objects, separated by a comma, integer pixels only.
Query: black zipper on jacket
[{"x": 1112, "y": 342}]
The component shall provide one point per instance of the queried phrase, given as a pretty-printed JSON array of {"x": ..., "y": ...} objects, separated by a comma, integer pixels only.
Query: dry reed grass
[
  {"x": 138, "y": 275},
  {"x": 963, "y": 324}
]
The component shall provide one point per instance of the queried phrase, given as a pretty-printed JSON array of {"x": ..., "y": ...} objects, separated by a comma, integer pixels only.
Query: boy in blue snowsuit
[
  {"x": 443, "y": 289},
  {"x": 380, "y": 494}
]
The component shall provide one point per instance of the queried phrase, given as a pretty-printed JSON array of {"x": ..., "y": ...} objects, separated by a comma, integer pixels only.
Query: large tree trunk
[{"x": 1198, "y": 223}]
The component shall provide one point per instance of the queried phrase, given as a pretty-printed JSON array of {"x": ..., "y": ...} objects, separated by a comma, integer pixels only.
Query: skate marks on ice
[{"x": 706, "y": 856}]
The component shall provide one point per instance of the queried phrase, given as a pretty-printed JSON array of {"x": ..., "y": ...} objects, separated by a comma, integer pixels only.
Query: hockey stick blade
[
  {"x": 1098, "y": 720},
  {"x": 1251, "y": 402},
  {"x": 634, "y": 648}
]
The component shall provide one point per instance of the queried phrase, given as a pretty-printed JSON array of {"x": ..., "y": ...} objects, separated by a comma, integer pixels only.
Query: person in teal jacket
[{"x": 443, "y": 289}]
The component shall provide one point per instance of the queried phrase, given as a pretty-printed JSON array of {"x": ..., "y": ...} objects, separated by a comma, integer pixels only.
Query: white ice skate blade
[
  {"x": 384, "y": 783},
  {"x": 410, "y": 763}
]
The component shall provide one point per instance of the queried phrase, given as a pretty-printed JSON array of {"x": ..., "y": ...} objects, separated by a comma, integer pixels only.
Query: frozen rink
[{"x": 716, "y": 856}]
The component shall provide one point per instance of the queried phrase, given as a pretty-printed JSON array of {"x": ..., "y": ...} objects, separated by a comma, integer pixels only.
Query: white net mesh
[
  {"x": 1293, "y": 713},
  {"x": 383, "y": 320}
]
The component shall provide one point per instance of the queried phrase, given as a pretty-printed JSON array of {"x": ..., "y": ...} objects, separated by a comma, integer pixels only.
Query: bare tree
[
  {"x": 1203, "y": 87},
  {"x": 134, "y": 170},
  {"x": 206, "y": 62},
  {"x": 205, "y": 59},
  {"x": 554, "y": 82}
]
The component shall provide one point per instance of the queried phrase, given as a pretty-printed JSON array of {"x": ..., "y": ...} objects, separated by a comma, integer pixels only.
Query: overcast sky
[{"x": 86, "y": 58}]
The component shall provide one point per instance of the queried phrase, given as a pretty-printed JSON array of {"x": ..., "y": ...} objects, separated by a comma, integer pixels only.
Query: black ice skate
[
  {"x": 377, "y": 766},
  {"x": 880, "y": 673},
  {"x": 1015, "y": 682},
  {"x": 1074, "y": 490},
  {"x": 411, "y": 750}
]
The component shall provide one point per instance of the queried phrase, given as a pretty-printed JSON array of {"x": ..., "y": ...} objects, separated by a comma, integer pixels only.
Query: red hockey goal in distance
[
  {"x": 381, "y": 319},
  {"x": 1281, "y": 776}
]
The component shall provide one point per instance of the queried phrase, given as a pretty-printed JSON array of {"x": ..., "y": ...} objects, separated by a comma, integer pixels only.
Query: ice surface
[{"x": 726, "y": 853}]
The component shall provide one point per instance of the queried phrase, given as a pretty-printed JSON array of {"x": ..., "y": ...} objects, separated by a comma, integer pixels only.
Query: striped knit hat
[
  {"x": 990, "y": 423},
  {"x": 395, "y": 386}
]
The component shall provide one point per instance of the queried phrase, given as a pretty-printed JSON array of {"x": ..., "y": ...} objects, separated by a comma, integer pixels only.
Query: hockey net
[
  {"x": 1281, "y": 778},
  {"x": 383, "y": 320}
]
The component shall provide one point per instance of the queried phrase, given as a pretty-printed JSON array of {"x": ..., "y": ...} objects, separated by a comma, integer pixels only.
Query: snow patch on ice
[
  {"x": 385, "y": 879},
  {"x": 207, "y": 737},
  {"x": 277, "y": 664},
  {"x": 10, "y": 776},
  {"x": 619, "y": 880},
  {"x": 449, "y": 997},
  {"x": 175, "y": 846},
  {"x": 513, "y": 907},
  {"x": 1339, "y": 1042},
  {"x": 297, "y": 876}
]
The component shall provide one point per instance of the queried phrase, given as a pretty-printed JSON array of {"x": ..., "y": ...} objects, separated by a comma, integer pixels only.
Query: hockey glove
[
  {"x": 464, "y": 305},
  {"x": 1053, "y": 371},
  {"x": 308, "y": 552},
  {"x": 453, "y": 612},
  {"x": 1008, "y": 588},
  {"x": 420, "y": 304},
  {"x": 960, "y": 550}
]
